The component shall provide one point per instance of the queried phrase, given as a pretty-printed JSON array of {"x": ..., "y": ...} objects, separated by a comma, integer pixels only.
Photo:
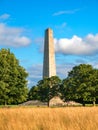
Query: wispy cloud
[
  {"x": 4, "y": 16},
  {"x": 35, "y": 74},
  {"x": 39, "y": 40},
  {"x": 12, "y": 36},
  {"x": 63, "y": 25},
  {"x": 63, "y": 69},
  {"x": 65, "y": 12},
  {"x": 77, "y": 45}
]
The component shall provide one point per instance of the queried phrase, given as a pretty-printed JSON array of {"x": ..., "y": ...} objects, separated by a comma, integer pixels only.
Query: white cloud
[
  {"x": 66, "y": 12},
  {"x": 11, "y": 36},
  {"x": 63, "y": 69},
  {"x": 35, "y": 74},
  {"x": 4, "y": 16},
  {"x": 77, "y": 45}
]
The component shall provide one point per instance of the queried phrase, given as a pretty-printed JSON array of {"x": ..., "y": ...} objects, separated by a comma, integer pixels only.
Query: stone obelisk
[{"x": 49, "y": 67}]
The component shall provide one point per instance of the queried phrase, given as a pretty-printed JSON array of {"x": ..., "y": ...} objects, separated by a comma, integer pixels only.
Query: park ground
[{"x": 38, "y": 118}]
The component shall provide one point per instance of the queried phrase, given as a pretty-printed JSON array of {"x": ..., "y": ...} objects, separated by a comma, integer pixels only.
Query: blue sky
[{"x": 75, "y": 27}]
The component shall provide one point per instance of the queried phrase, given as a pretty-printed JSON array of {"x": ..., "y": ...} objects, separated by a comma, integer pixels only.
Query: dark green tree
[
  {"x": 66, "y": 89},
  {"x": 48, "y": 88},
  {"x": 34, "y": 93},
  {"x": 13, "y": 83},
  {"x": 82, "y": 83},
  {"x": 54, "y": 86},
  {"x": 45, "y": 89}
]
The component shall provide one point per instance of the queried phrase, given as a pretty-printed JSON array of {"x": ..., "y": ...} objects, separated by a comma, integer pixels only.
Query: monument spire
[{"x": 49, "y": 67}]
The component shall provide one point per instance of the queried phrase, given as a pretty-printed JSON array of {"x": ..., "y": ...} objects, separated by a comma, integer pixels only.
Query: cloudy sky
[{"x": 75, "y": 27}]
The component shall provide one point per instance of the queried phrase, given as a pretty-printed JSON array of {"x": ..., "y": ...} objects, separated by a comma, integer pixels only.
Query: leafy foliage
[
  {"x": 45, "y": 89},
  {"x": 82, "y": 83},
  {"x": 13, "y": 84}
]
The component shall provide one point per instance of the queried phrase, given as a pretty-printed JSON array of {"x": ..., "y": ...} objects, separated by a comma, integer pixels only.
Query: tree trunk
[
  {"x": 83, "y": 103},
  {"x": 48, "y": 104},
  {"x": 5, "y": 103},
  {"x": 94, "y": 100}
]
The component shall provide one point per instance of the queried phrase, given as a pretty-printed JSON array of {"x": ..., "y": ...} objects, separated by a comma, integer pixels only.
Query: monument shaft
[{"x": 49, "y": 67}]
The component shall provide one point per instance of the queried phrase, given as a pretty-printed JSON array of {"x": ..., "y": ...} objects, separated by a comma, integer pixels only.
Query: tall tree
[
  {"x": 46, "y": 89},
  {"x": 34, "y": 93},
  {"x": 82, "y": 83},
  {"x": 13, "y": 83}
]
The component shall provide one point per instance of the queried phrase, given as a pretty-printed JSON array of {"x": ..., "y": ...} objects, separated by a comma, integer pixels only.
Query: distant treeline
[{"x": 81, "y": 85}]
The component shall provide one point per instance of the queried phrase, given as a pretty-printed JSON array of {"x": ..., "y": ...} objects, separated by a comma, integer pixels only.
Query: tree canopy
[
  {"x": 13, "y": 83},
  {"x": 45, "y": 89},
  {"x": 82, "y": 83}
]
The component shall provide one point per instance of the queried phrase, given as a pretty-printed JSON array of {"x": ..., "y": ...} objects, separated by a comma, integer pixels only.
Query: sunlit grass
[{"x": 68, "y": 118}]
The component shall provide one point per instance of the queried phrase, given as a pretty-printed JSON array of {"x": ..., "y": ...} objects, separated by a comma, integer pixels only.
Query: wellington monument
[{"x": 49, "y": 66}]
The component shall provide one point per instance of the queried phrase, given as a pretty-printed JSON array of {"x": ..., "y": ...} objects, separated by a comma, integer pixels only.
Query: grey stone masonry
[{"x": 49, "y": 67}]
